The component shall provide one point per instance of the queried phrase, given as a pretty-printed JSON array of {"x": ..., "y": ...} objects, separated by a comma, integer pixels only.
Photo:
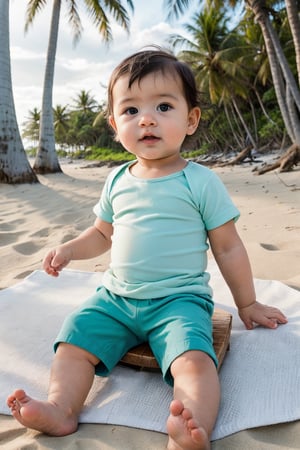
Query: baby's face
[{"x": 152, "y": 117}]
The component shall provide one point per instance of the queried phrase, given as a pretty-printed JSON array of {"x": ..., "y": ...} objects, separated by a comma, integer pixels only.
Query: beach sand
[{"x": 35, "y": 218}]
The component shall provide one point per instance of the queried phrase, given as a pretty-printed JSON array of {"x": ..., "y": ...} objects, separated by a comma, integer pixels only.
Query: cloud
[
  {"x": 26, "y": 98},
  {"x": 21, "y": 54},
  {"x": 88, "y": 65},
  {"x": 157, "y": 34}
]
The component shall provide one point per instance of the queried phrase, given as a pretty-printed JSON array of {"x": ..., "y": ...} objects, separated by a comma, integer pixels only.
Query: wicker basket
[{"x": 142, "y": 356}]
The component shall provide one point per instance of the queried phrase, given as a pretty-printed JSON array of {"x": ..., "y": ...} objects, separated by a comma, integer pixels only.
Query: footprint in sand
[
  {"x": 283, "y": 246},
  {"x": 27, "y": 248},
  {"x": 291, "y": 228},
  {"x": 68, "y": 237},
  {"x": 9, "y": 238},
  {"x": 44, "y": 232},
  {"x": 10, "y": 226},
  {"x": 24, "y": 274},
  {"x": 270, "y": 247}
]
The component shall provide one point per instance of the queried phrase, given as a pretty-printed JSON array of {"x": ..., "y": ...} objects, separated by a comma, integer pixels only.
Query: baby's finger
[{"x": 277, "y": 316}]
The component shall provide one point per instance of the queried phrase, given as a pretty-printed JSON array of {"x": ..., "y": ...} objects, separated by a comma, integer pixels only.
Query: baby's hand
[
  {"x": 55, "y": 261},
  {"x": 260, "y": 314}
]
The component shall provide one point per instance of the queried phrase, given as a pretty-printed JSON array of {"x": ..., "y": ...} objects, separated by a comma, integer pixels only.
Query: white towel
[{"x": 260, "y": 376}]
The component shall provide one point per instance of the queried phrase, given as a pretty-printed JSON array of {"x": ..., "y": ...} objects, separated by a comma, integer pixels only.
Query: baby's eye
[
  {"x": 163, "y": 107},
  {"x": 131, "y": 111}
]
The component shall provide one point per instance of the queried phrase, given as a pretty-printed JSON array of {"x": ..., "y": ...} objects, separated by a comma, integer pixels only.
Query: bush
[
  {"x": 106, "y": 154},
  {"x": 194, "y": 153}
]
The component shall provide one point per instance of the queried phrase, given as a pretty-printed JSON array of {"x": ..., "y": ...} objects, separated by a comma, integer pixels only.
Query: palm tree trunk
[
  {"x": 293, "y": 17},
  {"x": 46, "y": 159},
  {"x": 14, "y": 165},
  {"x": 246, "y": 128},
  {"x": 279, "y": 88},
  {"x": 240, "y": 130},
  {"x": 293, "y": 115},
  {"x": 254, "y": 119},
  {"x": 288, "y": 76},
  {"x": 236, "y": 137},
  {"x": 280, "y": 77},
  {"x": 262, "y": 105}
]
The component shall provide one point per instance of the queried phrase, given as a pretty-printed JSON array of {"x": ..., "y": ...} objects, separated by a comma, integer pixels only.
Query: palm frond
[
  {"x": 74, "y": 20},
  {"x": 175, "y": 8},
  {"x": 97, "y": 12},
  {"x": 33, "y": 7}
]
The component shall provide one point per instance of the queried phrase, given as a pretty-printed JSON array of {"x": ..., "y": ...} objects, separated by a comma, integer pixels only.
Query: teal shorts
[{"x": 108, "y": 325}]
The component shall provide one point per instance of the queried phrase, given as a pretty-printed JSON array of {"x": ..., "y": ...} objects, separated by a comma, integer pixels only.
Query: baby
[{"x": 158, "y": 215}]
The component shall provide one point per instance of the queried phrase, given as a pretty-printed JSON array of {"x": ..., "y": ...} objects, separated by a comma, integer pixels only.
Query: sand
[{"x": 35, "y": 218}]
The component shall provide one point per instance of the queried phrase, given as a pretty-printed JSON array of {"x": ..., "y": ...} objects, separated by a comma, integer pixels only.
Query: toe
[{"x": 176, "y": 407}]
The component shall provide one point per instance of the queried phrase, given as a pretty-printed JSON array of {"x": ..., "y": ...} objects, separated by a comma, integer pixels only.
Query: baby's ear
[
  {"x": 193, "y": 120},
  {"x": 112, "y": 123}
]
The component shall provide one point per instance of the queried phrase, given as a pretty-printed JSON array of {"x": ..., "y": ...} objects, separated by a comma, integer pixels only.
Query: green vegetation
[
  {"x": 194, "y": 153},
  {"x": 238, "y": 99},
  {"x": 106, "y": 154}
]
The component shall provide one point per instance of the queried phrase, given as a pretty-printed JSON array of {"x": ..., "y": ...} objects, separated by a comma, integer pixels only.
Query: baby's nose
[{"x": 147, "y": 120}]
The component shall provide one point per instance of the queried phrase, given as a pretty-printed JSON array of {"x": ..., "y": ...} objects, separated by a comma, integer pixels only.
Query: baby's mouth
[{"x": 149, "y": 138}]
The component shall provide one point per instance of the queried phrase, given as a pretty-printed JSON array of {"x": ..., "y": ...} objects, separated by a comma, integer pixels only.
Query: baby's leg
[
  {"x": 71, "y": 378},
  {"x": 194, "y": 410}
]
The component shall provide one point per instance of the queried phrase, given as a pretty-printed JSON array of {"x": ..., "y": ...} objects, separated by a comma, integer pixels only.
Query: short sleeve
[
  {"x": 216, "y": 206},
  {"x": 103, "y": 209}
]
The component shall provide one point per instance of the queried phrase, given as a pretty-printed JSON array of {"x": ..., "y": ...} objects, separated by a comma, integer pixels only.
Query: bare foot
[
  {"x": 184, "y": 432},
  {"x": 41, "y": 416}
]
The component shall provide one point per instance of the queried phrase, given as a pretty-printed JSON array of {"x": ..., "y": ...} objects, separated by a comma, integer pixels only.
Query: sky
[{"x": 88, "y": 65}]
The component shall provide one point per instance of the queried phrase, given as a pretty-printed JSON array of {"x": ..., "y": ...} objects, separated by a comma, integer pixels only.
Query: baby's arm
[
  {"x": 90, "y": 243},
  {"x": 232, "y": 259}
]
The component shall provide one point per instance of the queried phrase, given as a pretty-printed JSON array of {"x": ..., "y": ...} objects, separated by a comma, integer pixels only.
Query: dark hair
[{"x": 144, "y": 62}]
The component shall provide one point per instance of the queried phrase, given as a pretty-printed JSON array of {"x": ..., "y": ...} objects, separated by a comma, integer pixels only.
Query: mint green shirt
[{"x": 159, "y": 242}]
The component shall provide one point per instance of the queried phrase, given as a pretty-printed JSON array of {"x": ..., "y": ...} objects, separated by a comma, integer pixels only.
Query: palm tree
[
  {"x": 292, "y": 9},
  {"x": 32, "y": 126},
  {"x": 287, "y": 91},
  {"x": 46, "y": 159},
  {"x": 215, "y": 54},
  {"x": 61, "y": 123},
  {"x": 84, "y": 102},
  {"x": 14, "y": 166}
]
